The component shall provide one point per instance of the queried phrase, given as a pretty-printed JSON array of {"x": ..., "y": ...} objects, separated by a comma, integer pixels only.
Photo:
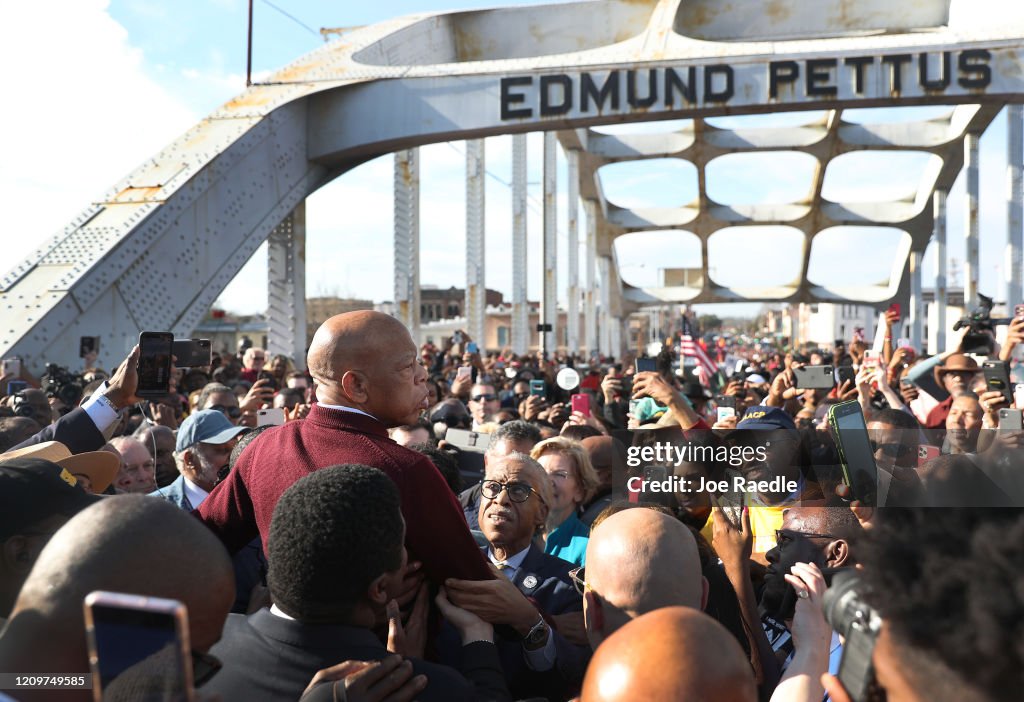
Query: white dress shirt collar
[{"x": 348, "y": 409}]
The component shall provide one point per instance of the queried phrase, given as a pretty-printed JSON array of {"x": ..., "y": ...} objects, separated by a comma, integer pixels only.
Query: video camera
[
  {"x": 61, "y": 383},
  {"x": 859, "y": 623},
  {"x": 979, "y": 338}
]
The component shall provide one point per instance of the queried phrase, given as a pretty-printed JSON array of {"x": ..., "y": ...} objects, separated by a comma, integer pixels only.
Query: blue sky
[{"x": 112, "y": 81}]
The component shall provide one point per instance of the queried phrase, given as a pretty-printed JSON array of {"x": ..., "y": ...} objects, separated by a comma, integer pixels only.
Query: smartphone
[
  {"x": 463, "y": 372},
  {"x": 538, "y": 388},
  {"x": 269, "y": 377},
  {"x": 844, "y": 373},
  {"x": 724, "y": 412},
  {"x": 870, "y": 361},
  {"x": 895, "y": 308},
  {"x": 472, "y": 446},
  {"x": 457, "y": 338},
  {"x": 138, "y": 637},
  {"x": 1018, "y": 311},
  {"x": 725, "y": 401},
  {"x": 927, "y": 453},
  {"x": 192, "y": 353},
  {"x": 846, "y": 420},
  {"x": 16, "y": 386},
  {"x": 87, "y": 345},
  {"x": 1010, "y": 421},
  {"x": 1018, "y": 395},
  {"x": 997, "y": 377},
  {"x": 155, "y": 350},
  {"x": 272, "y": 417},
  {"x": 12, "y": 366},
  {"x": 644, "y": 365},
  {"x": 814, "y": 377},
  {"x": 471, "y": 347},
  {"x": 580, "y": 402}
]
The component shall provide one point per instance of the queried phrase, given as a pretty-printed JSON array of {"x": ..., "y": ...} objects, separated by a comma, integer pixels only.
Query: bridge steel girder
[
  {"x": 286, "y": 288},
  {"x": 947, "y": 138},
  {"x": 156, "y": 250}
]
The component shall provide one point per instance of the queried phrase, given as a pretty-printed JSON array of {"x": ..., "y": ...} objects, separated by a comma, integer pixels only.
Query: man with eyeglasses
[
  {"x": 252, "y": 363},
  {"x": 537, "y": 660},
  {"x": 483, "y": 402},
  {"x": 138, "y": 470},
  {"x": 818, "y": 535}
]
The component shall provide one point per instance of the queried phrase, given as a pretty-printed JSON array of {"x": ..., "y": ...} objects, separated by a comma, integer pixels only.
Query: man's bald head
[
  {"x": 350, "y": 341},
  {"x": 674, "y": 653},
  {"x": 639, "y": 560},
  {"x": 130, "y": 544},
  {"x": 366, "y": 360}
]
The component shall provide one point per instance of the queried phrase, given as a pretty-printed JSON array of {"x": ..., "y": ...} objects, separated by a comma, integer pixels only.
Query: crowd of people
[{"x": 364, "y": 549}]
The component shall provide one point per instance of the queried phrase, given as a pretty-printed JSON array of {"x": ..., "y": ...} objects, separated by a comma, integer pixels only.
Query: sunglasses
[
  {"x": 484, "y": 398},
  {"x": 578, "y": 576},
  {"x": 233, "y": 412}
]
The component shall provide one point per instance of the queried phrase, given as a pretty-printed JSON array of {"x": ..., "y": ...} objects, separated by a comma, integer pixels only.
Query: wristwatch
[{"x": 537, "y": 635}]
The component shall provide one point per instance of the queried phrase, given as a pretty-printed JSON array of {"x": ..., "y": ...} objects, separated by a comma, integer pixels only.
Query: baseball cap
[
  {"x": 207, "y": 426},
  {"x": 765, "y": 418},
  {"x": 32, "y": 489}
]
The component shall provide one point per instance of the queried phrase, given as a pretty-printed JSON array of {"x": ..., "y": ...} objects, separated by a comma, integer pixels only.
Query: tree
[{"x": 709, "y": 322}]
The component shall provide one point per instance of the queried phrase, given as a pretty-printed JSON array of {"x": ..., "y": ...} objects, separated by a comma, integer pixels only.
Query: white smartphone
[
  {"x": 463, "y": 372},
  {"x": 1018, "y": 396},
  {"x": 12, "y": 366},
  {"x": 133, "y": 639},
  {"x": 272, "y": 416},
  {"x": 724, "y": 412}
]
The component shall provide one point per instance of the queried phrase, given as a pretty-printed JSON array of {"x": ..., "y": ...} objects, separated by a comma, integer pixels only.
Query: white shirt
[
  {"x": 348, "y": 409},
  {"x": 102, "y": 415},
  {"x": 194, "y": 494},
  {"x": 278, "y": 613},
  {"x": 542, "y": 658}
]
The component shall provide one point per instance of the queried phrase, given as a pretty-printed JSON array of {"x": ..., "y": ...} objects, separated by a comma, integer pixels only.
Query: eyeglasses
[
  {"x": 578, "y": 576},
  {"x": 891, "y": 450},
  {"x": 233, "y": 412},
  {"x": 787, "y": 536},
  {"x": 484, "y": 398},
  {"x": 517, "y": 492}
]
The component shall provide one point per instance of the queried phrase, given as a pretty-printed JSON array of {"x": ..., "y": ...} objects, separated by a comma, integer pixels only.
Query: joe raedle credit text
[{"x": 664, "y": 454}]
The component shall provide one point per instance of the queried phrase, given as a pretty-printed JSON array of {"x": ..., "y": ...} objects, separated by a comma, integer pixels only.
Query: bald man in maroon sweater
[{"x": 369, "y": 378}]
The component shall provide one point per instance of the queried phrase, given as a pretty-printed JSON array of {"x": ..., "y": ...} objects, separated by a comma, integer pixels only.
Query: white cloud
[{"x": 85, "y": 114}]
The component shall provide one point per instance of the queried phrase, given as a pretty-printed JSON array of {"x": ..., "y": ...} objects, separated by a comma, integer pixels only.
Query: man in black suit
[
  {"x": 336, "y": 557},
  {"x": 87, "y": 428},
  {"x": 535, "y": 588}
]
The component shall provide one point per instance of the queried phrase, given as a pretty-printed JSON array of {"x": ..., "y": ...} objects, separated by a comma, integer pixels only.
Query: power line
[{"x": 293, "y": 18}]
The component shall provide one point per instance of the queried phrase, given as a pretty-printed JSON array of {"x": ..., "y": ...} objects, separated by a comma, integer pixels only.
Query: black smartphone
[
  {"x": 725, "y": 401},
  {"x": 87, "y": 345},
  {"x": 192, "y": 353},
  {"x": 155, "y": 350},
  {"x": 860, "y": 472},
  {"x": 644, "y": 365},
  {"x": 845, "y": 373},
  {"x": 538, "y": 387},
  {"x": 997, "y": 377},
  {"x": 814, "y": 377},
  {"x": 269, "y": 377},
  {"x": 132, "y": 638}
]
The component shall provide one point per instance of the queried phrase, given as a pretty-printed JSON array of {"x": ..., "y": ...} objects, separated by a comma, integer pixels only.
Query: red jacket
[{"x": 436, "y": 533}]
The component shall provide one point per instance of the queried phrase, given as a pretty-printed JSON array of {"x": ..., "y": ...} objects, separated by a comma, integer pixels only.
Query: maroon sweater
[{"x": 436, "y": 533}]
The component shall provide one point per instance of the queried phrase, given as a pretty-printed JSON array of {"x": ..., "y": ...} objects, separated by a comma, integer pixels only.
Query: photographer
[{"x": 943, "y": 607}]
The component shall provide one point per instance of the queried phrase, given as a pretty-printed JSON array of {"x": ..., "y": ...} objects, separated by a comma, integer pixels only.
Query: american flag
[{"x": 688, "y": 347}]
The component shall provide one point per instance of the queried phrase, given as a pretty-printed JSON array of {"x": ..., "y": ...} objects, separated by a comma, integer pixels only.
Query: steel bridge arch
[{"x": 156, "y": 250}]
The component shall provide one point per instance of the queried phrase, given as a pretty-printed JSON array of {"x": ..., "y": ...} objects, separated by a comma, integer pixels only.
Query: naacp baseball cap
[{"x": 764, "y": 418}]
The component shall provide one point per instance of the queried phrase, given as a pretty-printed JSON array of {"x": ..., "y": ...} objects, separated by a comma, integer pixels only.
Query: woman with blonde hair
[{"x": 573, "y": 482}]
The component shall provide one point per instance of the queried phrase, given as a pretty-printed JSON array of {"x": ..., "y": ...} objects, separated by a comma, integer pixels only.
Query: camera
[
  {"x": 859, "y": 623},
  {"x": 980, "y": 328},
  {"x": 59, "y": 382}
]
